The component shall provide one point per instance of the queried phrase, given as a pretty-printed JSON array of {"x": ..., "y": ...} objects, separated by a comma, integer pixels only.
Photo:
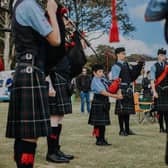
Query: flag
[{"x": 114, "y": 32}]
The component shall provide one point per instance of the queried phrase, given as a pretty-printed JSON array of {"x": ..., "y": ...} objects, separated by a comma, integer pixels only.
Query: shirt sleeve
[
  {"x": 30, "y": 14},
  {"x": 152, "y": 73},
  {"x": 97, "y": 86},
  {"x": 115, "y": 72}
]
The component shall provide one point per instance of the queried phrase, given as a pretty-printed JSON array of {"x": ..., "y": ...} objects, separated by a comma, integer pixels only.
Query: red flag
[
  {"x": 1, "y": 64},
  {"x": 114, "y": 32}
]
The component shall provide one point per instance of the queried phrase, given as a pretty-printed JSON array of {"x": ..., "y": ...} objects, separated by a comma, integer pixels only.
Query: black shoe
[
  {"x": 102, "y": 143},
  {"x": 123, "y": 133},
  {"x": 106, "y": 143},
  {"x": 156, "y": 10},
  {"x": 61, "y": 154},
  {"x": 130, "y": 132},
  {"x": 56, "y": 158},
  {"x": 162, "y": 130}
]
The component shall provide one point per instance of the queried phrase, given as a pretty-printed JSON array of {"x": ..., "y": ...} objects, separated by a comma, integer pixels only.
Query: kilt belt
[
  {"x": 28, "y": 68},
  {"x": 27, "y": 64}
]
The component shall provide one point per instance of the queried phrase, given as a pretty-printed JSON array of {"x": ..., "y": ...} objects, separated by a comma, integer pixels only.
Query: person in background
[
  {"x": 99, "y": 115},
  {"x": 146, "y": 86},
  {"x": 160, "y": 93},
  {"x": 83, "y": 84}
]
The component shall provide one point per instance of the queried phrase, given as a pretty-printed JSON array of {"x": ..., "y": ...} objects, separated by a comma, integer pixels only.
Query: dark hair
[
  {"x": 119, "y": 50},
  {"x": 97, "y": 67},
  {"x": 161, "y": 51},
  {"x": 147, "y": 72}
]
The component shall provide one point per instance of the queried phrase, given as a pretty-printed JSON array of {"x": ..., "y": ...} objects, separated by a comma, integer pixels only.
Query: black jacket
[{"x": 83, "y": 83}]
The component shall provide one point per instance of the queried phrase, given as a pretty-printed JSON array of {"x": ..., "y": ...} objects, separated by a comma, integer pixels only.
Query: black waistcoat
[
  {"x": 124, "y": 73},
  {"x": 27, "y": 40}
]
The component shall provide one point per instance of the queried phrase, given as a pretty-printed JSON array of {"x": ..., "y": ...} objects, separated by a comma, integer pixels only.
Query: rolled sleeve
[
  {"x": 30, "y": 14},
  {"x": 97, "y": 86},
  {"x": 153, "y": 73},
  {"x": 115, "y": 72}
]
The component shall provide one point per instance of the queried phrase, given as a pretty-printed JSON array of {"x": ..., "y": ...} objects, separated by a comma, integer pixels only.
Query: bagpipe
[
  {"x": 114, "y": 86},
  {"x": 70, "y": 32},
  {"x": 75, "y": 42}
]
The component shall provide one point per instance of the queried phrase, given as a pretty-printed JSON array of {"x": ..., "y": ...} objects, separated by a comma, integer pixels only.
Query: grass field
[{"x": 144, "y": 150}]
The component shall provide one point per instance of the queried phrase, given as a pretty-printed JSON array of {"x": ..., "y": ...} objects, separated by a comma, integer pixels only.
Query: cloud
[
  {"x": 133, "y": 46},
  {"x": 138, "y": 11}
]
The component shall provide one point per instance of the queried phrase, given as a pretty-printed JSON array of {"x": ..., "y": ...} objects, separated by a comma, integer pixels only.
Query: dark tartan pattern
[
  {"x": 28, "y": 115},
  {"x": 125, "y": 106},
  {"x": 61, "y": 103},
  {"x": 99, "y": 113},
  {"x": 161, "y": 104}
]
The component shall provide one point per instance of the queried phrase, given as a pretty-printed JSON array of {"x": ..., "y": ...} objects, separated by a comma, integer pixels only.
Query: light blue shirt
[
  {"x": 115, "y": 71},
  {"x": 99, "y": 84},
  {"x": 29, "y": 13},
  {"x": 153, "y": 71}
]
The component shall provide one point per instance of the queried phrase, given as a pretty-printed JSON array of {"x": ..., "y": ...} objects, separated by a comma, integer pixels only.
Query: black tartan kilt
[
  {"x": 61, "y": 103},
  {"x": 99, "y": 113},
  {"x": 125, "y": 106},
  {"x": 28, "y": 115},
  {"x": 161, "y": 104}
]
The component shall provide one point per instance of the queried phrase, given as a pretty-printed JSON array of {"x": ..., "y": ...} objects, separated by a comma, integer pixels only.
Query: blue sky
[
  {"x": 151, "y": 33},
  {"x": 149, "y": 36}
]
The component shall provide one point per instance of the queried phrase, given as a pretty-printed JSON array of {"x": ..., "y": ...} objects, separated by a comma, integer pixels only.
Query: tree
[
  {"x": 5, "y": 36},
  {"x": 91, "y": 15},
  {"x": 105, "y": 56}
]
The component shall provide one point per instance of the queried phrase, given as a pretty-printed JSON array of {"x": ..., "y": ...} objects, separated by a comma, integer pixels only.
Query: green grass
[{"x": 145, "y": 150}]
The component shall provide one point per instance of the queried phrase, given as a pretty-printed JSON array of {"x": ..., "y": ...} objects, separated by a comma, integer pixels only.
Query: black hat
[
  {"x": 97, "y": 67},
  {"x": 161, "y": 51},
  {"x": 119, "y": 50}
]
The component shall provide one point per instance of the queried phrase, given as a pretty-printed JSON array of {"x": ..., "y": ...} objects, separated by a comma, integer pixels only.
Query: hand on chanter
[
  {"x": 51, "y": 92},
  {"x": 119, "y": 94},
  {"x": 155, "y": 95},
  {"x": 141, "y": 62}
]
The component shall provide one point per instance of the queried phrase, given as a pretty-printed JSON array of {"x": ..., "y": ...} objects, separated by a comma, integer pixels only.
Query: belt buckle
[
  {"x": 29, "y": 69},
  {"x": 28, "y": 56}
]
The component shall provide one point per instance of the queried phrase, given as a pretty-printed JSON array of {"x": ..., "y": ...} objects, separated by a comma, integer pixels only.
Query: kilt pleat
[
  {"x": 61, "y": 103},
  {"x": 28, "y": 115},
  {"x": 99, "y": 113},
  {"x": 125, "y": 106},
  {"x": 161, "y": 104}
]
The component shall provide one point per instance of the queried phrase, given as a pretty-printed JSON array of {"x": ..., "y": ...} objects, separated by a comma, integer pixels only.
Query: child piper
[{"x": 99, "y": 115}]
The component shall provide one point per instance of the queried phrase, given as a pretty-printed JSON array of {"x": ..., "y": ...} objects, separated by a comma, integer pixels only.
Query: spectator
[
  {"x": 83, "y": 84},
  {"x": 146, "y": 86}
]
